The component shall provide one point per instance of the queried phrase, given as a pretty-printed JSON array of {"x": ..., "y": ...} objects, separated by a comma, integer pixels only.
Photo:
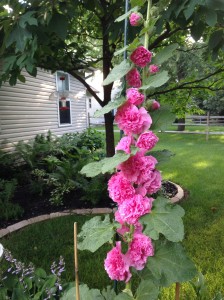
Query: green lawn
[{"x": 198, "y": 166}]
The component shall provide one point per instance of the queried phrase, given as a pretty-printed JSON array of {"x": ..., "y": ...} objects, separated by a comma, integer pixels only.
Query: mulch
[{"x": 36, "y": 206}]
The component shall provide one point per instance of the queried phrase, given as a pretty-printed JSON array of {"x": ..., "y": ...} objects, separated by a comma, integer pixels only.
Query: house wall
[{"x": 26, "y": 110}]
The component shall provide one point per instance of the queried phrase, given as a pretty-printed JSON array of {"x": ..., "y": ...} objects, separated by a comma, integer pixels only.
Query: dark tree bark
[{"x": 181, "y": 127}]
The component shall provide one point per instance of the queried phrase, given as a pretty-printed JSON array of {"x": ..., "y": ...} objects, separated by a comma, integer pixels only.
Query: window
[
  {"x": 64, "y": 103},
  {"x": 90, "y": 103}
]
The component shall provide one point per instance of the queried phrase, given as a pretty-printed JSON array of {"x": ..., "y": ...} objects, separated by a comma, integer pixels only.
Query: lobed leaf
[
  {"x": 156, "y": 80},
  {"x": 95, "y": 233},
  {"x": 118, "y": 71},
  {"x": 147, "y": 290},
  {"x": 170, "y": 264},
  {"x": 165, "y": 218},
  {"x": 164, "y": 54},
  {"x": 85, "y": 293},
  {"x": 111, "y": 105}
]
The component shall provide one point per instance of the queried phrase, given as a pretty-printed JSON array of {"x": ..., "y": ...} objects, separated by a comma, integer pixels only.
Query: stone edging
[{"x": 21, "y": 224}]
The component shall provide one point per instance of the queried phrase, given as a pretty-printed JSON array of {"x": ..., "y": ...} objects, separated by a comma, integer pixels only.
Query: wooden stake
[
  {"x": 76, "y": 263},
  {"x": 177, "y": 291}
]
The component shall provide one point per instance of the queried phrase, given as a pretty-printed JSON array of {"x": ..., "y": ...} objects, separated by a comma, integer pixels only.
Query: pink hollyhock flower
[
  {"x": 124, "y": 228},
  {"x": 147, "y": 140},
  {"x": 125, "y": 144},
  {"x": 135, "y": 19},
  {"x": 141, "y": 56},
  {"x": 149, "y": 164},
  {"x": 132, "y": 167},
  {"x": 120, "y": 188},
  {"x": 139, "y": 250},
  {"x": 134, "y": 97},
  {"x": 153, "y": 184},
  {"x": 153, "y": 69},
  {"x": 132, "y": 120},
  {"x": 116, "y": 265},
  {"x": 133, "y": 78},
  {"x": 132, "y": 209}
]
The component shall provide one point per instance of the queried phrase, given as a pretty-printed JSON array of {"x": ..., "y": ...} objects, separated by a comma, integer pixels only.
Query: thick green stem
[{"x": 146, "y": 42}]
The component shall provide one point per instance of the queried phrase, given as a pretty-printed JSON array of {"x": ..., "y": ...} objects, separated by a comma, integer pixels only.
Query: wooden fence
[{"x": 207, "y": 121}]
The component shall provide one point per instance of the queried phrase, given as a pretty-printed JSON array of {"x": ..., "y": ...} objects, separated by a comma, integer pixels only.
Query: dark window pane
[{"x": 65, "y": 113}]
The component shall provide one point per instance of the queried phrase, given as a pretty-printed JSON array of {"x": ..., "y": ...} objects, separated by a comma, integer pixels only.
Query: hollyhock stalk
[{"x": 136, "y": 178}]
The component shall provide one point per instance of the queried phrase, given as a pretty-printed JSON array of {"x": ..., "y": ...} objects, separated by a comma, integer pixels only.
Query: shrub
[{"x": 8, "y": 209}]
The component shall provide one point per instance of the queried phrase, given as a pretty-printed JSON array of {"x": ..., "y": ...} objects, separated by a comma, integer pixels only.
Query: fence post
[{"x": 208, "y": 118}]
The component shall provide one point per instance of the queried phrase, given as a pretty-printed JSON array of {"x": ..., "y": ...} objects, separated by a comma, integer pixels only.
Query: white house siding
[{"x": 26, "y": 110}]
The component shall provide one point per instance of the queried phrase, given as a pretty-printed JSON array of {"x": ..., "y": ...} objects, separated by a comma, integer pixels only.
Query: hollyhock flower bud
[
  {"x": 132, "y": 209},
  {"x": 125, "y": 229},
  {"x": 133, "y": 78},
  {"x": 132, "y": 120},
  {"x": 141, "y": 56},
  {"x": 153, "y": 69},
  {"x": 125, "y": 144},
  {"x": 152, "y": 105},
  {"x": 136, "y": 19},
  {"x": 116, "y": 266},
  {"x": 147, "y": 140},
  {"x": 120, "y": 188},
  {"x": 134, "y": 97},
  {"x": 139, "y": 250}
]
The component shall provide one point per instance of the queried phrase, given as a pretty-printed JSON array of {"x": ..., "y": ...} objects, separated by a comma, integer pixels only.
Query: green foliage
[
  {"x": 106, "y": 165},
  {"x": 22, "y": 282},
  {"x": 164, "y": 54},
  {"x": 118, "y": 72},
  {"x": 8, "y": 209},
  {"x": 111, "y": 105},
  {"x": 169, "y": 264},
  {"x": 164, "y": 218},
  {"x": 156, "y": 80},
  {"x": 95, "y": 233}
]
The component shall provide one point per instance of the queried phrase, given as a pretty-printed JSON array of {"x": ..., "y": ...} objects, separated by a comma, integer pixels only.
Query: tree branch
[{"x": 190, "y": 85}]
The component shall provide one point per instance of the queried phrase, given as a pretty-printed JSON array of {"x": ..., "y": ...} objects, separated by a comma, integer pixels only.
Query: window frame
[{"x": 58, "y": 74}]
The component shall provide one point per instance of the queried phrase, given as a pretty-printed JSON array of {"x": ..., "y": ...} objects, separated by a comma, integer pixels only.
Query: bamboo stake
[
  {"x": 76, "y": 263},
  {"x": 177, "y": 291}
]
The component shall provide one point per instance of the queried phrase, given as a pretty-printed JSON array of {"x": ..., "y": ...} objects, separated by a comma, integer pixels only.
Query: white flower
[{"x": 1, "y": 251}]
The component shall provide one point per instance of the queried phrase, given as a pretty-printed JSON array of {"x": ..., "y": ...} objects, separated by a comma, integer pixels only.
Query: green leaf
[
  {"x": 216, "y": 4},
  {"x": 120, "y": 51},
  {"x": 108, "y": 293},
  {"x": 92, "y": 169},
  {"x": 129, "y": 47},
  {"x": 126, "y": 15},
  {"x": 19, "y": 36},
  {"x": 21, "y": 78},
  {"x": 170, "y": 264},
  {"x": 197, "y": 30},
  {"x": 111, "y": 105},
  {"x": 27, "y": 18},
  {"x": 105, "y": 165},
  {"x": 118, "y": 71},
  {"x": 123, "y": 296},
  {"x": 9, "y": 62},
  {"x": 164, "y": 218},
  {"x": 215, "y": 38},
  {"x": 41, "y": 273},
  {"x": 109, "y": 163},
  {"x": 95, "y": 233},
  {"x": 147, "y": 290},
  {"x": 161, "y": 155},
  {"x": 157, "y": 80},
  {"x": 137, "y": 3},
  {"x": 59, "y": 25},
  {"x": 85, "y": 294},
  {"x": 211, "y": 17},
  {"x": 188, "y": 12},
  {"x": 165, "y": 54},
  {"x": 18, "y": 293}
]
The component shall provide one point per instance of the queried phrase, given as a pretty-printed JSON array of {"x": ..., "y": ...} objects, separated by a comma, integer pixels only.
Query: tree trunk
[{"x": 181, "y": 127}]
